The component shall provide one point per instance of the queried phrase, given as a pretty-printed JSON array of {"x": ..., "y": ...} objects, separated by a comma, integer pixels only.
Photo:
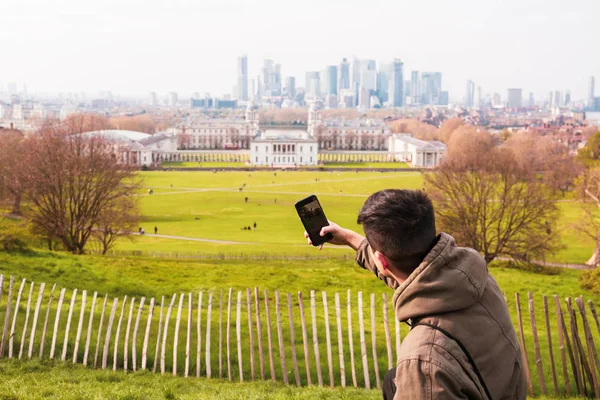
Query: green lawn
[
  {"x": 203, "y": 164},
  {"x": 367, "y": 165}
]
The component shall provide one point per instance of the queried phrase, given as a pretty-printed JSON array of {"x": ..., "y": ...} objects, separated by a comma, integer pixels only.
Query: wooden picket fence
[{"x": 124, "y": 335}]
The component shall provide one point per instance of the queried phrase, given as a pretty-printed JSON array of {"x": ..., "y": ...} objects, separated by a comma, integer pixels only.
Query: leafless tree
[
  {"x": 491, "y": 203},
  {"x": 71, "y": 180},
  {"x": 118, "y": 219},
  {"x": 13, "y": 160},
  {"x": 589, "y": 224}
]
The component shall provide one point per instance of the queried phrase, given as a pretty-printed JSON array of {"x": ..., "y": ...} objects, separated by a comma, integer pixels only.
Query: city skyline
[{"x": 130, "y": 50}]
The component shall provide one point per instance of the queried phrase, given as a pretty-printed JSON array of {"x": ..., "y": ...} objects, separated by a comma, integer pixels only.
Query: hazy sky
[{"x": 138, "y": 46}]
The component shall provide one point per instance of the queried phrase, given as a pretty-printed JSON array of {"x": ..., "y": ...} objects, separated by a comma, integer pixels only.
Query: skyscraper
[
  {"x": 591, "y": 91},
  {"x": 271, "y": 78},
  {"x": 514, "y": 98},
  {"x": 332, "y": 80},
  {"x": 344, "y": 75},
  {"x": 152, "y": 99},
  {"x": 396, "y": 92},
  {"x": 242, "y": 78},
  {"x": 431, "y": 88},
  {"x": 415, "y": 87},
  {"x": 567, "y": 97},
  {"x": 383, "y": 81},
  {"x": 470, "y": 95},
  {"x": 290, "y": 87},
  {"x": 531, "y": 100}
]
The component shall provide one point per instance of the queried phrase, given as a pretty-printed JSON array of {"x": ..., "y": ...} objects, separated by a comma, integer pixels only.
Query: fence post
[
  {"x": 188, "y": 335},
  {"x": 238, "y": 331},
  {"x": 388, "y": 338},
  {"x": 549, "y": 335},
  {"x": 7, "y": 316},
  {"x": 88, "y": 337},
  {"x": 313, "y": 308},
  {"x": 207, "y": 347},
  {"x": 135, "y": 332},
  {"x": 350, "y": 341},
  {"x": 564, "y": 334},
  {"x": 251, "y": 335},
  {"x": 228, "y": 335},
  {"x": 118, "y": 334},
  {"x": 108, "y": 331},
  {"x": 523, "y": 347},
  {"x": 79, "y": 325},
  {"x": 176, "y": 334},
  {"x": 280, "y": 339},
  {"x": 338, "y": 318},
  {"x": 221, "y": 334},
  {"x": 374, "y": 342},
  {"x": 292, "y": 340},
  {"x": 363, "y": 344},
  {"x": 163, "y": 347},
  {"x": 199, "y": 333},
  {"x": 27, "y": 312},
  {"x": 536, "y": 344},
  {"x": 328, "y": 339},
  {"x": 269, "y": 337},
  {"x": 259, "y": 335},
  {"x": 590, "y": 345},
  {"x": 147, "y": 334},
  {"x": 127, "y": 331},
  {"x": 100, "y": 331},
  {"x": 304, "y": 339},
  {"x": 577, "y": 347},
  {"x": 158, "y": 335},
  {"x": 36, "y": 314}
]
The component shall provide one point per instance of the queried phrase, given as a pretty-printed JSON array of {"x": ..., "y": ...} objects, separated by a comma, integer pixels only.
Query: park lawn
[
  {"x": 207, "y": 164},
  {"x": 367, "y": 165}
]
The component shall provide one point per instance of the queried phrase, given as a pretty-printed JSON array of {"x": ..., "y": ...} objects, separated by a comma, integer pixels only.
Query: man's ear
[{"x": 383, "y": 260}]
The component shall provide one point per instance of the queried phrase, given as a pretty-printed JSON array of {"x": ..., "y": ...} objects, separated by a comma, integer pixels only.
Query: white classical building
[
  {"x": 284, "y": 147},
  {"x": 418, "y": 153}
]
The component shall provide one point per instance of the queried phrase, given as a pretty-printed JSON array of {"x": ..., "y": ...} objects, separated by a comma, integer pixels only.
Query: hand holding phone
[{"x": 313, "y": 218}]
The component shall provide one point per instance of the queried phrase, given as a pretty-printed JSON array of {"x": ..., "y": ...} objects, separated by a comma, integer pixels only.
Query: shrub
[{"x": 590, "y": 280}]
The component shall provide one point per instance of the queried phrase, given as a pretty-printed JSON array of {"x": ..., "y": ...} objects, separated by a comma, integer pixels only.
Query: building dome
[
  {"x": 315, "y": 106},
  {"x": 252, "y": 106}
]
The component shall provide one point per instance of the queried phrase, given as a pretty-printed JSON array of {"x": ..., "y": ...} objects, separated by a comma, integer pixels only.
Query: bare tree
[
  {"x": 13, "y": 160},
  {"x": 589, "y": 224},
  {"x": 71, "y": 180},
  {"x": 491, "y": 203},
  {"x": 119, "y": 218}
]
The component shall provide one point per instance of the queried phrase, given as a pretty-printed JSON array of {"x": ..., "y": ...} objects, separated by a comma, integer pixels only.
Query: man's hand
[{"x": 341, "y": 236}]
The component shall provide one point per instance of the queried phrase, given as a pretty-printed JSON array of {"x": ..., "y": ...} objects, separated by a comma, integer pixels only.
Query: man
[{"x": 462, "y": 343}]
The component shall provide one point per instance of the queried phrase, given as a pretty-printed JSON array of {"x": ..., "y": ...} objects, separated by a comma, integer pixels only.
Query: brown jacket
[{"x": 453, "y": 290}]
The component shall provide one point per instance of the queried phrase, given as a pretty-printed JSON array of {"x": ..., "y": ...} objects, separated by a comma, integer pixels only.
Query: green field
[
  {"x": 231, "y": 164},
  {"x": 209, "y": 205}
]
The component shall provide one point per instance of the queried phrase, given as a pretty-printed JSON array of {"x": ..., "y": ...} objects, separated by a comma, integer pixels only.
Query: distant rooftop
[
  {"x": 114, "y": 134},
  {"x": 421, "y": 144}
]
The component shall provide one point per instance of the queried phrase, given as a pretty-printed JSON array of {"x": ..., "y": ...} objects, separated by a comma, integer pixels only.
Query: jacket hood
[{"x": 450, "y": 278}]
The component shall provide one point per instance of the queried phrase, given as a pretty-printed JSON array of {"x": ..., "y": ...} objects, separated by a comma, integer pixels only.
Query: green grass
[
  {"x": 203, "y": 164},
  {"x": 367, "y": 165}
]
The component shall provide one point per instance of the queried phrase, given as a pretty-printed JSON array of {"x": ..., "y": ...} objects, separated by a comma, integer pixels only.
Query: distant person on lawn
[{"x": 462, "y": 343}]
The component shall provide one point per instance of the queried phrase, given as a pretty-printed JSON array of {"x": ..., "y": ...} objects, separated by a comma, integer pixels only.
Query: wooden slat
[
  {"x": 374, "y": 342},
  {"x": 328, "y": 339},
  {"x": 269, "y": 337},
  {"x": 7, "y": 317},
  {"x": 97, "y": 352},
  {"x": 280, "y": 339},
  {"x": 592, "y": 355},
  {"x": 68, "y": 327},
  {"x": 135, "y": 333},
  {"x": 250, "y": 333},
  {"x": 221, "y": 334},
  {"x": 363, "y": 344},
  {"x": 549, "y": 337},
  {"x": 351, "y": 341},
  {"x": 259, "y": 338},
  {"x": 147, "y": 334},
  {"x": 578, "y": 346},
  {"x": 338, "y": 318},
  {"x": 14, "y": 321},
  {"x": 199, "y": 335},
  {"x": 127, "y": 333},
  {"x": 27, "y": 312},
  {"x": 388, "y": 337},
  {"x": 118, "y": 334},
  {"x": 88, "y": 337},
  {"x": 398, "y": 336},
  {"x": 79, "y": 326},
  {"x": 159, "y": 334},
  {"x": 163, "y": 347},
  {"x": 238, "y": 331},
  {"x": 536, "y": 345},
  {"x": 292, "y": 340},
  {"x": 36, "y": 314},
  {"x": 111, "y": 319},
  {"x": 564, "y": 338},
  {"x": 228, "y": 335},
  {"x": 188, "y": 340},
  {"x": 176, "y": 334},
  {"x": 207, "y": 347},
  {"x": 523, "y": 347},
  {"x": 313, "y": 309},
  {"x": 304, "y": 339}
]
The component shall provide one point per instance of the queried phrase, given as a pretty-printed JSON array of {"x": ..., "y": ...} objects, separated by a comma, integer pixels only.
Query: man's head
[{"x": 400, "y": 227}]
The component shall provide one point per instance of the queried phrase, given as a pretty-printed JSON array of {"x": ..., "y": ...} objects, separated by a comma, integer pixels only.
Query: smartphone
[{"x": 313, "y": 218}]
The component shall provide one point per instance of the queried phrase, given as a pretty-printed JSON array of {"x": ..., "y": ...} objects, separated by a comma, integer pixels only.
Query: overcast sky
[{"x": 137, "y": 46}]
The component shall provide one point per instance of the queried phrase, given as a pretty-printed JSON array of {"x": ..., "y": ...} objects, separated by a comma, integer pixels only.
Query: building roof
[
  {"x": 157, "y": 137},
  {"x": 278, "y": 135},
  {"x": 118, "y": 135},
  {"x": 420, "y": 144}
]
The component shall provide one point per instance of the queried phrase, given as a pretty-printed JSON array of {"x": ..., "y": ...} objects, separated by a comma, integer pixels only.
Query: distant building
[
  {"x": 470, "y": 94},
  {"x": 591, "y": 91},
  {"x": 531, "y": 100},
  {"x": 383, "y": 82},
  {"x": 271, "y": 78},
  {"x": 152, "y": 99},
  {"x": 431, "y": 87},
  {"x": 415, "y": 87},
  {"x": 172, "y": 100},
  {"x": 283, "y": 147},
  {"x": 290, "y": 87},
  {"x": 332, "y": 80},
  {"x": 242, "y": 78},
  {"x": 396, "y": 82},
  {"x": 418, "y": 153},
  {"x": 343, "y": 76},
  {"x": 514, "y": 98}
]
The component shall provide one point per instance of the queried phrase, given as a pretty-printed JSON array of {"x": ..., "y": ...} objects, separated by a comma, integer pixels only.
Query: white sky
[{"x": 138, "y": 46}]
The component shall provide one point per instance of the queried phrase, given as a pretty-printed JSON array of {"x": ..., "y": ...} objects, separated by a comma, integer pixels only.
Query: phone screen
[{"x": 314, "y": 219}]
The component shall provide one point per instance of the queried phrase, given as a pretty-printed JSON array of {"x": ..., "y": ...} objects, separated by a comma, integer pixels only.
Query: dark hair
[{"x": 400, "y": 224}]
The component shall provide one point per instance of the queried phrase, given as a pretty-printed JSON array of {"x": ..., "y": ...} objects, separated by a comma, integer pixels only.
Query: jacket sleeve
[
  {"x": 428, "y": 380},
  {"x": 364, "y": 259}
]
